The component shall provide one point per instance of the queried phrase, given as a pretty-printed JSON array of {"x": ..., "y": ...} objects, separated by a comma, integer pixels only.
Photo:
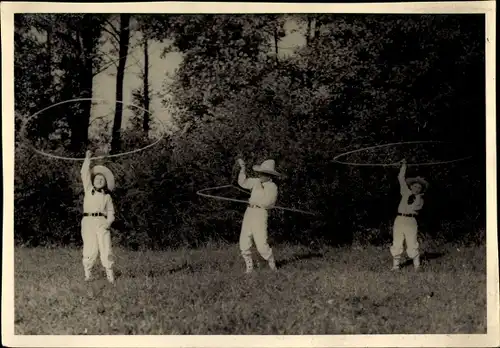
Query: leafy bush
[{"x": 345, "y": 89}]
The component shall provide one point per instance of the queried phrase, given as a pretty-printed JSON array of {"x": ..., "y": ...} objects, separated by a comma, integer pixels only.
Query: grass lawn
[{"x": 330, "y": 291}]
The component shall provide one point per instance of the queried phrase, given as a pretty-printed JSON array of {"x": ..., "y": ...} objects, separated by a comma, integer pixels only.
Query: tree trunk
[
  {"x": 49, "y": 57},
  {"x": 276, "y": 39},
  {"x": 145, "y": 120},
  {"x": 123, "y": 51},
  {"x": 309, "y": 27},
  {"x": 317, "y": 28},
  {"x": 81, "y": 118}
]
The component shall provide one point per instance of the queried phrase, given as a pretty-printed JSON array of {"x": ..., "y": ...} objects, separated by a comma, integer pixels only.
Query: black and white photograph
[{"x": 249, "y": 174}]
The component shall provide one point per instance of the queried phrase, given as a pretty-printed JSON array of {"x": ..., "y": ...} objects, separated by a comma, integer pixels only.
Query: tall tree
[
  {"x": 123, "y": 51},
  {"x": 146, "y": 91},
  {"x": 31, "y": 90},
  {"x": 79, "y": 59},
  {"x": 222, "y": 54},
  {"x": 68, "y": 57}
]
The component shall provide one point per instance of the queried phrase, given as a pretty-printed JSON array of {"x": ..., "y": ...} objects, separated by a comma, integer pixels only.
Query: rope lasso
[
  {"x": 336, "y": 158},
  {"x": 200, "y": 193},
  {"x": 25, "y": 123}
]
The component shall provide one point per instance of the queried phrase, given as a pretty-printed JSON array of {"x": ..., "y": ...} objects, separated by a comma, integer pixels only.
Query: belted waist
[
  {"x": 407, "y": 215},
  {"x": 94, "y": 214},
  {"x": 255, "y": 206}
]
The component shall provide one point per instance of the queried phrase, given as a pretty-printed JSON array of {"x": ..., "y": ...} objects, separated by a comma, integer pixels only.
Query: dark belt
[
  {"x": 408, "y": 215},
  {"x": 94, "y": 214},
  {"x": 254, "y": 206}
]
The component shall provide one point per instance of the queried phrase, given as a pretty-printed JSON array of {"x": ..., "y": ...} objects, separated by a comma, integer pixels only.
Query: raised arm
[
  {"x": 243, "y": 181},
  {"x": 85, "y": 173},
  {"x": 402, "y": 178}
]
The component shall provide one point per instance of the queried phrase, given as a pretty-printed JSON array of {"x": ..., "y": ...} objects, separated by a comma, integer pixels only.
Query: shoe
[
  {"x": 248, "y": 263},
  {"x": 272, "y": 263},
  {"x": 110, "y": 275},
  {"x": 416, "y": 263},
  {"x": 396, "y": 264},
  {"x": 88, "y": 277}
]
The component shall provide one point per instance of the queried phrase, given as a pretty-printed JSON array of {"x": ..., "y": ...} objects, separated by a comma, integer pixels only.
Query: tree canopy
[{"x": 358, "y": 80}]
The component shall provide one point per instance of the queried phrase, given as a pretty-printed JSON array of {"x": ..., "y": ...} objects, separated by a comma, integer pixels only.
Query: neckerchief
[
  {"x": 411, "y": 199},
  {"x": 98, "y": 190}
]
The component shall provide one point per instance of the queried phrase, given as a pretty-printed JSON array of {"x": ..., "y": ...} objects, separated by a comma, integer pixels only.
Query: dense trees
[{"x": 357, "y": 80}]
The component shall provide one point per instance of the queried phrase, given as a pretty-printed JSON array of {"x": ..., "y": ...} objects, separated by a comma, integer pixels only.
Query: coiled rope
[
  {"x": 30, "y": 146},
  {"x": 201, "y": 193},
  {"x": 336, "y": 158}
]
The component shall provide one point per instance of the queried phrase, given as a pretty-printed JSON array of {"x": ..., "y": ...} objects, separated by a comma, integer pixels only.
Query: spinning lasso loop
[
  {"x": 200, "y": 193},
  {"x": 336, "y": 158},
  {"x": 23, "y": 130}
]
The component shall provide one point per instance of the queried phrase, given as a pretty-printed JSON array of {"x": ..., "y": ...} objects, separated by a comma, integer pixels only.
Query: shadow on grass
[
  {"x": 160, "y": 271},
  {"x": 424, "y": 258},
  {"x": 154, "y": 272},
  {"x": 298, "y": 257}
]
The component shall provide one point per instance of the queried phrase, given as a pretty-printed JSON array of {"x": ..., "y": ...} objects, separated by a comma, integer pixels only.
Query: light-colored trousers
[
  {"x": 254, "y": 228},
  {"x": 96, "y": 240},
  {"x": 405, "y": 229}
]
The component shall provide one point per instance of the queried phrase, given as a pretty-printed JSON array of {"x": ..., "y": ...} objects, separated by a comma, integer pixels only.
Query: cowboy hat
[
  {"x": 419, "y": 180},
  {"x": 104, "y": 171},
  {"x": 267, "y": 167}
]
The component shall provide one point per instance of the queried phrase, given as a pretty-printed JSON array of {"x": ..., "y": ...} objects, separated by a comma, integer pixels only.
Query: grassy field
[{"x": 330, "y": 291}]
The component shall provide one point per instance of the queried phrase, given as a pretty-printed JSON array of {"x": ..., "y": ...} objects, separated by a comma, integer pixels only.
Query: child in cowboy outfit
[
  {"x": 264, "y": 193},
  {"x": 98, "y": 215},
  {"x": 405, "y": 224}
]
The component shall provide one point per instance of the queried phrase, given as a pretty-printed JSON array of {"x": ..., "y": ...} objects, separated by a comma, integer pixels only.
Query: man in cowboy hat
[
  {"x": 405, "y": 225},
  {"x": 264, "y": 193},
  {"x": 98, "y": 215}
]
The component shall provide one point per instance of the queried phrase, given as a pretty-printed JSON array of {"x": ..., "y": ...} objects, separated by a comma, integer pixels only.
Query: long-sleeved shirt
[
  {"x": 406, "y": 206},
  {"x": 95, "y": 201},
  {"x": 262, "y": 194}
]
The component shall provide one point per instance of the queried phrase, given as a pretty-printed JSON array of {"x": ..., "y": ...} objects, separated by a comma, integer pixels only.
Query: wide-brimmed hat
[
  {"x": 104, "y": 171},
  {"x": 267, "y": 167},
  {"x": 418, "y": 179}
]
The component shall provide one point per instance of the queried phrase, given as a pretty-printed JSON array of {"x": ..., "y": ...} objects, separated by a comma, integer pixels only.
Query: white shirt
[
  {"x": 404, "y": 207},
  {"x": 263, "y": 195},
  {"x": 95, "y": 201}
]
